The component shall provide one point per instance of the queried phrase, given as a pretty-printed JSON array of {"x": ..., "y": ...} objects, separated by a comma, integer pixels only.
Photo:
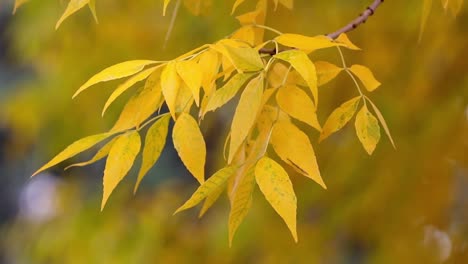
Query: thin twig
[
  {"x": 362, "y": 18},
  {"x": 171, "y": 25}
]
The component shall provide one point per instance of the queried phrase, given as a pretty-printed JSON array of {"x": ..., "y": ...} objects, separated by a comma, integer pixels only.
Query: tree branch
[{"x": 362, "y": 18}]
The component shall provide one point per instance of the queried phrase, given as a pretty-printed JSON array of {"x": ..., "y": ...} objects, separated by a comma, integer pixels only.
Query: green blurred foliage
[{"x": 376, "y": 209}]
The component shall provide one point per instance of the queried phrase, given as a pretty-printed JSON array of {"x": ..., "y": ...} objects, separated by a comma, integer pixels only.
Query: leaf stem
[
  {"x": 350, "y": 74},
  {"x": 267, "y": 28}
]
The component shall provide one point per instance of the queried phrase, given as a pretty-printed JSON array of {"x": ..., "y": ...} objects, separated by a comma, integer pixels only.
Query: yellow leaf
[
  {"x": 340, "y": 117},
  {"x": 170, "y": 84},
  {"x": 210, "y": 200},
  {"x": 366, "y": 77},
  {"x": 213, "y": 184},
  {"x": 279, "y": 72},
  {"x": 295, "y": 102},
  {"x": 256, "y": 17},
  {"x": 275, "y": 184},
  {"x": 227, "y": 92},
  {"x": 306, "y": 44},
  {"x": 236, "y": 4},
  {"x": 92, "y": 7},
  {"x": 367, "y": 129},
  {"x": 190, "y": 145},
  {"x": 244, "y": 58},
  {"x": 268, "y": 116},
  {"x": 241, "y": 200},
  {"x": 289, "y": 4},
  {"x": 294, "y": 147},
  {"x": 427, "y": 6},
  {"x": 126, "y": 85},
  {"x": 75, "y": 148},
  {"x": 184, "y": 100},
  {"x": 166, "y": 3},
  {"x": 198, "y": 7},
  {"x": 326, "y": 72},
  {"x": 19, "y": 3},
  {"x": 455, "y": 6},
  {"x": 102, "y": 153},
  {"x": 304, "y": 66},
  {"x": 117, "y": 71},
  {"x": 343, "y": 39},
  {"x": 73, "y": 6},
  {"x": 383, "y": 122},
  {"x": 119, "y": 162},
  {"x": 209, "y": 64},
  {"x": 139, "y": 108},
  {"x": 192, "y": 75},
  {"x": 245, "y": 115},
  {"x": 154, "y": 144},
  {"x": 246, "y": 34}
]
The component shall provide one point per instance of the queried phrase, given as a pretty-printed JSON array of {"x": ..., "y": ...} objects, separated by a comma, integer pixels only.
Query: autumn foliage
[{"x": 278, "y": 93}]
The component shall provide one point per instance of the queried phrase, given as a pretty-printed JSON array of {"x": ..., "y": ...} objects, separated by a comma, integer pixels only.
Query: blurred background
[{"x": 408, "y": 205}]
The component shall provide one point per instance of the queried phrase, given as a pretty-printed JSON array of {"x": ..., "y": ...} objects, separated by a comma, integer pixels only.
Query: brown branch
[{"x": 362, "y": 18}]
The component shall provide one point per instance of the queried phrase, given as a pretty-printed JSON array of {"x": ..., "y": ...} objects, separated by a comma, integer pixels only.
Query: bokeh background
[{"x": 408, "y": 205}]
